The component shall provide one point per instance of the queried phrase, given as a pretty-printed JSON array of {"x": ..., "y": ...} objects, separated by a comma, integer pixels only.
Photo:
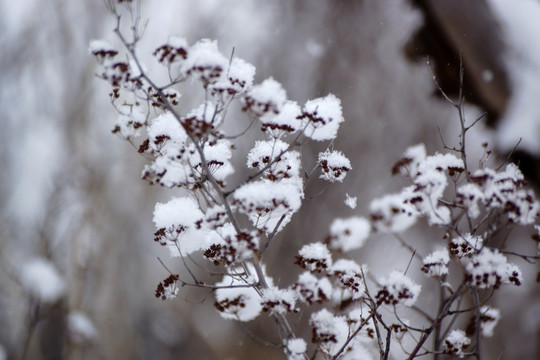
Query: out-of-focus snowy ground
[{"x": 76, "y": 220}]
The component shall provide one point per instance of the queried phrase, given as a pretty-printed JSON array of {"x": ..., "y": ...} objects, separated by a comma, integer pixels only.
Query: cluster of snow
[
  {"x": 278, "y": 301},
  {"x": 81, "y": 329},
  {"x": 391, "y": 213},
  {"x": 265, "y": 98},
  {"x": 321, "y": 118},
  {"x": 175, "y": 224},
  {"x": 296, "y": 349},
  {"x": 314, "y": 257},
  {"x": 503, "y": 191},
  {"x": 489, "y": 268},
  {"x": 350, "y": 276},
  {"x": 436, "y": 263},
  {"x": 465, "y": 245},
  {"x": 312, "y": 290},
  {"x": 489, "y": 317},
  {"x": 397, "y": 289},
  {"x": 283, "y": 123},
  {"x": 348, "y": 234},
  {"x": 239, "y": 303},
  {"x": 456, "y": 343},
  {"x": 269, "y": 203},
  {"x": 274, "y": 155},
  {"x": 334, "y": 166}
]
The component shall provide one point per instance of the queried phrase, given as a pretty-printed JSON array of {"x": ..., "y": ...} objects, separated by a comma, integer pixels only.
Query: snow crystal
[
  {"x": 334, "y": 166},
  {"x": 456, "y": 343},
  {"x": 350, "y": 201},
  {"x": 314, "y": 257},
  {"x": 436, "y": 263},
  {"x": 321, "y": 118},
  {"x": 296, "y": 349},
  {"x": 349, "y": 234},
  {"x": 266, "y": 97},
  {"x": 41, "y": 278},
  {"x": 398, "y": 289},
  {"x": 286, "y": 122},
  {"x": 240, "y": 303},
  {"x": 80, "y": 327}
]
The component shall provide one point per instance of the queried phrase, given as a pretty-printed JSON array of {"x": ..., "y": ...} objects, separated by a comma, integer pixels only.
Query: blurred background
[{"x": 75, "y": 214}]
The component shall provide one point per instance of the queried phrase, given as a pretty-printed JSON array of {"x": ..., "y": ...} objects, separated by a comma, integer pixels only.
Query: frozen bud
[
  {"x": 456, "y": 343},
  {"x": 265, "y": 98},
  {"x": 321, "y": 118},
  {"x": 397, "y": 289},
  {"x": 314, "y": 257},
  {"x": 334, "y": 166},
  {"x": 436, "y": 263}
]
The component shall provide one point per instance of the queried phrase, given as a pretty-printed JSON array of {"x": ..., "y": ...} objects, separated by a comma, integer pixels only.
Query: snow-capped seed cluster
[
  {"x": 465, "y": 245},
  {"x": 205, "y": 62},
  {"x": 489, "y": 317},
  {"x": 175, "y": 50},
  {"x": 328, "y": 330},
  {"x": 312, "y": 290},
  {"x": 283, "y": 123},
  {"x": 397, "y": 289},
  {"x": 456, "y": 343},
  {"x": 279, "y": 301},
  {"x": 230, "y": 248},
  {"x": 348, "y": 234},
  {"x": 296, "y": 349},
  {"x": 314, "y": 257},
  {"x": 41, "y": 279},
  {"x": 436, "y": 263},
  {"x": 269, "y": 203},
  {"x": 504, "y": 191},
  {"x": 176, "y": 226},
  {"x": 275, "y": 156},
  {"x": 489, "y": 268},
  {"x": 129, "y": 123},
  {"x": 236, "y": 299},
  {"x": 237, "y": 80},
  {"x": 321, "y": 118},
  {"x": 334, "y": 166},
  {"x": 102, "y": 50},
  {"x": 268, "y": 97},
  {"x": 350, "y": 276},
  {"x": 168, "y": 289},
  {"x": 391, "y": 213}
]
